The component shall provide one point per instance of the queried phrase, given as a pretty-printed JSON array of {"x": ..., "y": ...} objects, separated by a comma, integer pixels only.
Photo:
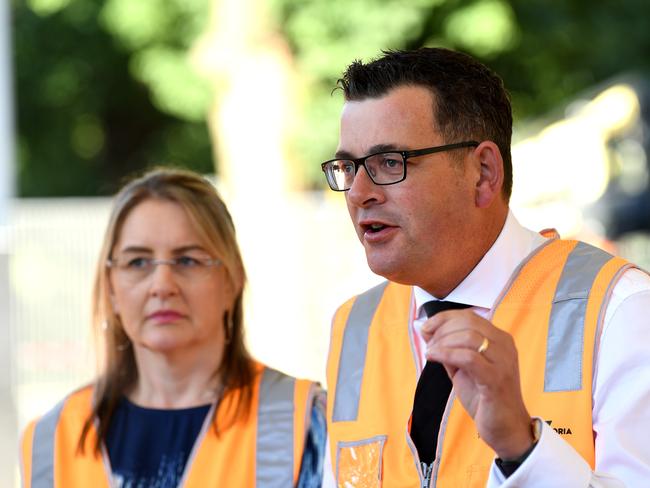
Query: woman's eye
[
  {"x": 138, "y": 263},
  {"x": 187, "y": 261}
]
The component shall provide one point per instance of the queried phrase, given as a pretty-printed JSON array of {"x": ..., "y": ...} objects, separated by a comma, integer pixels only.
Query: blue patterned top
[{"x": 149, "y": 448}]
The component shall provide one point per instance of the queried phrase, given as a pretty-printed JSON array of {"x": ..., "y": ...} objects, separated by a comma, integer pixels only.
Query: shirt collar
[{"x": 483, "y": 285}]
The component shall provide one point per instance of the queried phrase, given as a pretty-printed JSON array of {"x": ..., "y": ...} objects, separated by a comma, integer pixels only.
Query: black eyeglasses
[{"x": 383, "y": 168}]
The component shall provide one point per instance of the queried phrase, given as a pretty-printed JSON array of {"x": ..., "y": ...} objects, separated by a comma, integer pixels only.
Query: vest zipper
[{"x": 427, "y": 470}]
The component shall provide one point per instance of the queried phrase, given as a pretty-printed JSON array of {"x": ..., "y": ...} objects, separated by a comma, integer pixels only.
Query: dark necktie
[{"x": 431, "y": 396}]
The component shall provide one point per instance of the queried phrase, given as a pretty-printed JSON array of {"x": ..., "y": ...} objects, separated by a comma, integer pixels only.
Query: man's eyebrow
[{"x": 342, "y": 154}]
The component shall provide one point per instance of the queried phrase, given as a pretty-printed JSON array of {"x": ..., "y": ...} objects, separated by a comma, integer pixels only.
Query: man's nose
[{"x": 363, "y": 190}]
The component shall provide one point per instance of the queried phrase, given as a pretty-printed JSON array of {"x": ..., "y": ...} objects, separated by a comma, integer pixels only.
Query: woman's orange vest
[
  {"x": 553, "y": 307},
  {"x": 264, "y": 451}
]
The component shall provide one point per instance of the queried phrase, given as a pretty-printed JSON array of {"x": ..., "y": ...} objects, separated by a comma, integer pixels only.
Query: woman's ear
[
  {"x": 229, "y": 287},
  {"x": 111, "y": 296},
  {"x": 114, "y": 306},
  {"x": 490, "y": 182},
  {"x": 234, "y": 283}
]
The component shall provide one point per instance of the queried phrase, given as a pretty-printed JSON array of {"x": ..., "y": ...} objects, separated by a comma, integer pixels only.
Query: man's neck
[
  {"x": 482, "y": 241},
  {"x": 484, "y": 284}
]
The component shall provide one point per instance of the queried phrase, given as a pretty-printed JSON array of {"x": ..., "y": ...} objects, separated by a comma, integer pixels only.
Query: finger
[
  {"x": 451, "y": 371},
  {"x": 431, "y": 325},
  {"x": 465, "y": 329},
  {"x": 470, "y": 361},
  {"x": 469, "y": 339},
  {"x": 448, "y": 318},
  {"x": 460, "y": 336}
]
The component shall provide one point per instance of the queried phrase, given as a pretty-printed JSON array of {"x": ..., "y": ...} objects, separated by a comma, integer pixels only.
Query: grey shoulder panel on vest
[
  {"x": 274, "y": 451},
  {"x": 353, "y": 354},
  {"x": 43, "y": 448},
  {"x": 565, "y": 341}
]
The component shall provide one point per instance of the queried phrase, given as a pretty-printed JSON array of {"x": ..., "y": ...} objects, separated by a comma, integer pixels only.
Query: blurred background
[{"x": 93, "y": 91}]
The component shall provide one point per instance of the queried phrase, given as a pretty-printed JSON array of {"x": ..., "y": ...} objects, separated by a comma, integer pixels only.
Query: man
[{"x": 550, "y": 365}]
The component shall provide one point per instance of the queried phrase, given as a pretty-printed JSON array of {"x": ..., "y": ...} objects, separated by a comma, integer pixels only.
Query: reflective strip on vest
[
  {"x": 353, "y": 354},
  {"x": 274, "y": 450},
  {"x": 43, "y": 448},
  {"x": 567, "y": 321},
  {"x": 275, "y": 436},
  {"x": 563, "y": 369}
]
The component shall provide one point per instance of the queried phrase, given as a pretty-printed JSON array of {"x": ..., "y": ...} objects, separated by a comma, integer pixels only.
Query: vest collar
[{"x": 481, "y": 288}]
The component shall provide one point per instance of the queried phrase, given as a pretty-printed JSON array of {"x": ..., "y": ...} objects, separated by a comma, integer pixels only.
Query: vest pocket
[{"x": 358, "y": 463}]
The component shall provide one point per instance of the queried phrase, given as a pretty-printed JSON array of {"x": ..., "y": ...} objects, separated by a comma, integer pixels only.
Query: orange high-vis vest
[
  {"x": 553, "y": 307},
  {"x": 263, "y": 451}
]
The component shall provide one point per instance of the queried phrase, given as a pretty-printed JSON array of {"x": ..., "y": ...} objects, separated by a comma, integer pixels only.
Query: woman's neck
[{"x": 175, "y": 380}]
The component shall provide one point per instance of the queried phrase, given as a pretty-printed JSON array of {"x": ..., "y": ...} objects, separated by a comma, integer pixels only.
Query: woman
[{"x": 179, "y": 401}]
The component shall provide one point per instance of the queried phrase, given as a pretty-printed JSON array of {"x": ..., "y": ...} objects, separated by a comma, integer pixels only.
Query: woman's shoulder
[
  {"x": 272, "y": 376},
  {"x": 303, "y": 389},
  {"x": 76, "y": 404},
  {"x": 79, "y": 401}
]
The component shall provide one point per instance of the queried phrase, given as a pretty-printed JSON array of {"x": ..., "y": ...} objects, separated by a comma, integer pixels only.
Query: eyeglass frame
[
  {"x": 153, "y": 262},
  {"x": 358, "y": 162}
]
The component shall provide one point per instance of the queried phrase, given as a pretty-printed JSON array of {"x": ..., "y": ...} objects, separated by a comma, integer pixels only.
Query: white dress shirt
[{"x": 621, "y": 383}]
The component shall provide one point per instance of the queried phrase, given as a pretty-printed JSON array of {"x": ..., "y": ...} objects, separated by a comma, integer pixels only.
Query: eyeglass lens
[
  {"x": 139, "y": 269},
  {"x": 382, "y": 168}
]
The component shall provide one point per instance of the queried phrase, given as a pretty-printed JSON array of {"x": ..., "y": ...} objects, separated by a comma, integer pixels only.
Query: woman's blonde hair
[{"x": 211, "y": 219}]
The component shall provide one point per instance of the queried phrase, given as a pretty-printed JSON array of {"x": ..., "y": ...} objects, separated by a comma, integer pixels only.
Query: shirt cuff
[{"x": 553, "y": 462}]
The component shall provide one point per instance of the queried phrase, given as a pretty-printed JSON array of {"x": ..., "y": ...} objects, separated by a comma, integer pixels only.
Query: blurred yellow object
[{"x": 567, "y": 165}]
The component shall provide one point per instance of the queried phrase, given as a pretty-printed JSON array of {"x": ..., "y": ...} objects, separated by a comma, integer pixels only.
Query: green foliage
[
  {"x": 137, "y": 24},
  {"x": 486, "y": 28},
  {"x": 325, "y": 37},
  {"x": 546, "y": 51},
  {"x": 175, "y": 87},
  {"x": 105, "y": 89}
]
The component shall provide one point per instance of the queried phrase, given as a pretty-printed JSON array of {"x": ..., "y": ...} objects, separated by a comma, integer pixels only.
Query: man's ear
[{"x": 490, "y": 182}]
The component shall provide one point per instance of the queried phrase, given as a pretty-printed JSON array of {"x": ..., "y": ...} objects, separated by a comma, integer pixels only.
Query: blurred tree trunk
[
  {"x": 255, "y": 87},
  {"x": 250, "y": 121}
]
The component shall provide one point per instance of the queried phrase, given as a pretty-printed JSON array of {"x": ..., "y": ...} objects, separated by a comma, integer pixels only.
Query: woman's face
[{"x": 166, "y": 308}]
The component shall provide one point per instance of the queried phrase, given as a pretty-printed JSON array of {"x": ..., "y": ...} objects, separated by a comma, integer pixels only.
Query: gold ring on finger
[{"x": 484, "y": 346}]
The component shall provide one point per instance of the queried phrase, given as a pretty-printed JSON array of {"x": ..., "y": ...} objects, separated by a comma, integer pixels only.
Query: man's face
[{"x": 417, "y": 231}]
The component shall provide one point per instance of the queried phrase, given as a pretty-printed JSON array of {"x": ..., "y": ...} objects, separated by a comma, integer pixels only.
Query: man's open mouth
[{"x": 374, "y": 227}]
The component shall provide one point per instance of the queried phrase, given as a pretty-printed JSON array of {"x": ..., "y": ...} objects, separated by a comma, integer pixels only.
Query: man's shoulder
[
  {"x": 628, "y": 278},
  {"x": 632, "y": 281}
]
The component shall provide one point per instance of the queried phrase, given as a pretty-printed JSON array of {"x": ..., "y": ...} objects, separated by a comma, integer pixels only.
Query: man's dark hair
[{"x": 470, "y": 101}]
